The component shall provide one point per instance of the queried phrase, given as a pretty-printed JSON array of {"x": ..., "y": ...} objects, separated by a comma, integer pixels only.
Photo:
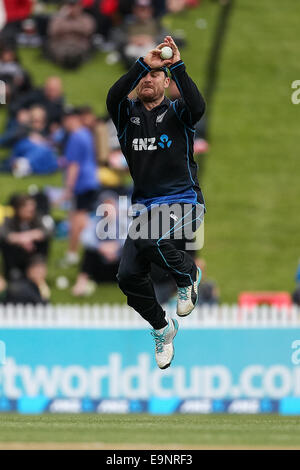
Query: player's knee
[{"x": 125, "y": 278}]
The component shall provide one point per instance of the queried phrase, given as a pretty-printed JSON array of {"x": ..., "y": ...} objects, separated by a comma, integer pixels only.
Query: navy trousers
[{"x": 152, "y": 238}]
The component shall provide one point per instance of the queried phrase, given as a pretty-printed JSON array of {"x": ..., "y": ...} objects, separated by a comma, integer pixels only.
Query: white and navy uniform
[{"x": 158, "y": 146}]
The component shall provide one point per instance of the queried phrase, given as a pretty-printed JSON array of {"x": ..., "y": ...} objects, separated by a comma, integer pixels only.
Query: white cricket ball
[{"x": 166, "y": 53}]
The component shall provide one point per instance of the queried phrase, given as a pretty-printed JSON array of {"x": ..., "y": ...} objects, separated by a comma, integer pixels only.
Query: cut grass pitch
[{"x": 144, "y": 431}]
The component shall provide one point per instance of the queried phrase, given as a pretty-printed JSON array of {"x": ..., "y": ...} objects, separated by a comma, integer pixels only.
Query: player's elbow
[
  {"x": 112, "y": 99},
  {"x": 199, "y": 110},
  {"x": 109, "y": 100}
]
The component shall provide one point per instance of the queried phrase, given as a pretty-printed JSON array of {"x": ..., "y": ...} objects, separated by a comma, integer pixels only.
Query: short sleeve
[{"x": 73, "y": 152}]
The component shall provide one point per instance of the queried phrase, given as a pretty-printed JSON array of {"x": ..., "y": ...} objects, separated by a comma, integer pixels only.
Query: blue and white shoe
[
  {"x": 164, "y": 349},
  {"x": 188, "y": 297}
]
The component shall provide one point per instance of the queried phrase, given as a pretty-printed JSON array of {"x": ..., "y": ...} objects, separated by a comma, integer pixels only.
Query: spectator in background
[
  {"x": 13, "y": 12},
  {"x": 33, "y": 153},
  {"x": 113, "y": 167},
  {"x": 32, "y": 288},
  {"x": 101, "y": 256},
  {"x": 88, "y": 117},
  {"x": 38, "y": 120},
  {"x": 23, "y": 236},
  {"x": 104, "y": 12},
  {"x": 70, "y": 35},
  {"x": 81, "y": 182},
  {"x": 17, "y": 80},
  {"x": 17, "y": 129},
  {"x": 176, "y": 6},
  {"x": 139, "y": 33},
  {"x": 116, "y": 163},
  {"x": 50, "y": 97},
  {"x": 159, "y": 7}
]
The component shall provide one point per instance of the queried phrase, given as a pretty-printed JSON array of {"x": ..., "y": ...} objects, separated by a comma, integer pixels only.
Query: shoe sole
[
  {"x": 198, "y": 282},
  {"x": 175, "y": 322}
]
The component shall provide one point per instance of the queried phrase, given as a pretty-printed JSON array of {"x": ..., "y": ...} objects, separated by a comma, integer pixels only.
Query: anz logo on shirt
[{"x": 149, "y": 143}]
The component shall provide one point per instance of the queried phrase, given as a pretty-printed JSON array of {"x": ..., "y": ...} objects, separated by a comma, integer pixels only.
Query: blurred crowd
[
  {"x": 43, "y": 134},
  {"x": 70, "y": 31}
]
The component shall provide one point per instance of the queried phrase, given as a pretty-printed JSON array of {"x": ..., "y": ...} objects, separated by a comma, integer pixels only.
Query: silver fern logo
[{"x": 160, "y": 117}]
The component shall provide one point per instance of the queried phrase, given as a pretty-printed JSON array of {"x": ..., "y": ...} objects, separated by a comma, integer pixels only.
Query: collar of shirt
[{"x": 165, "y": 103}]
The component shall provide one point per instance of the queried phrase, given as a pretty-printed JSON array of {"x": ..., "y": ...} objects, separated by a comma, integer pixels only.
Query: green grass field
[
  {"x": 251, "y": 172},
  {"x": 251, "y": 179},
  {"x": 144, "y": 432}
]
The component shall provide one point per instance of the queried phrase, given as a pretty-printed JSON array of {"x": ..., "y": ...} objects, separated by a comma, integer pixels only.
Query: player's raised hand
[
  {"x": 154, "y": 60},
  {"x": 169, "y": 41}
]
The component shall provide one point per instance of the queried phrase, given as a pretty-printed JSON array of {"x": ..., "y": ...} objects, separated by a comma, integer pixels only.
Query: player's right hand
[{"x": 154, "y": 60}]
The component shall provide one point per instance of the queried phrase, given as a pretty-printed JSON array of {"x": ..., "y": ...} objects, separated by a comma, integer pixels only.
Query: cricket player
[{"x": 156, "y": 137}]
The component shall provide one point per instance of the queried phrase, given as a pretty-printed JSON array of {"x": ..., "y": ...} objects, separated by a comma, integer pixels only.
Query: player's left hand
[{"x": 169, "y": 41}]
